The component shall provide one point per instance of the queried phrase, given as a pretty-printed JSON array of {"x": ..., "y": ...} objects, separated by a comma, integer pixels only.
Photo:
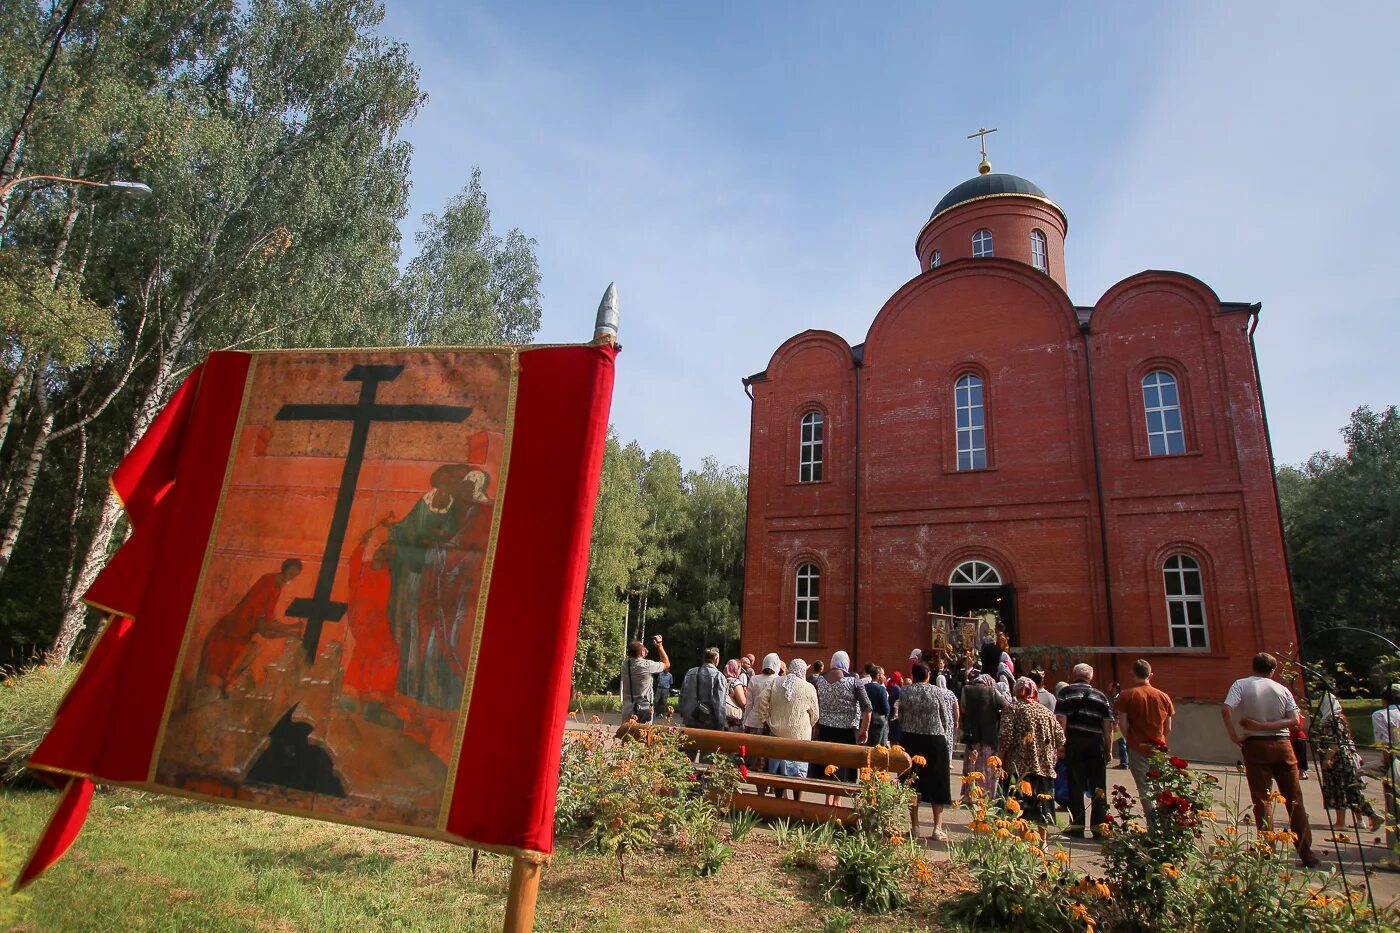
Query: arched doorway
[{"x": 975, "y": 586}]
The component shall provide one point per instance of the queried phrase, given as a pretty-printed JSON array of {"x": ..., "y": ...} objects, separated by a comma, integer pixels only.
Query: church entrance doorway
[{"x": 975, "y": 586}]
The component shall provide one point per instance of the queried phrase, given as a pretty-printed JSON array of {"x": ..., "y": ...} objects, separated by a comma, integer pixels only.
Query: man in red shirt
[
  {"x": 1145, "y": 719},
  {"x": 230, "y": 646}
]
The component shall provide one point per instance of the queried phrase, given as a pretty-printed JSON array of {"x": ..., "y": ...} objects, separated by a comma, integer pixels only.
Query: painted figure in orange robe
[
  {"x": 373, "y": 665},
  {"x": 232, "y": 643}
]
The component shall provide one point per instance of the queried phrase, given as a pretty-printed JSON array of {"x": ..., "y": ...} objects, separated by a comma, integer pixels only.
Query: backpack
[{"x": 702, "y": 711}]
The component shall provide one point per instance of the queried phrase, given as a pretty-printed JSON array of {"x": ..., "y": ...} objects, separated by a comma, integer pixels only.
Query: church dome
[{"x": 991, "y": 186}]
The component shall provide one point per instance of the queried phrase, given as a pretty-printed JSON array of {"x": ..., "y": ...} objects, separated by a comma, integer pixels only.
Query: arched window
[
  {"x": 810, "y": 448},
  {"x": 809, "y": 578},
  {"x": 936, "y": 259},
  {"x": 1040, "y": 252},
  {"x": 974, "y": 573},
  {"x": 982, "y": 243},
  {"x": 971, "y": 423},
  {"x": 1186, "y": 602},
  {"x": 1162, "y": 405}
]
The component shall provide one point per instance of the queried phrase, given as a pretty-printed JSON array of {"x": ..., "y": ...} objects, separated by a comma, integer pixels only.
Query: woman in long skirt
[{"x": 930, "y": 717}]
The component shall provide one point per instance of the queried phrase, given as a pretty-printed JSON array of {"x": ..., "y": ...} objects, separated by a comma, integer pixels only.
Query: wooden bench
[{"x": 819, "y": 754}]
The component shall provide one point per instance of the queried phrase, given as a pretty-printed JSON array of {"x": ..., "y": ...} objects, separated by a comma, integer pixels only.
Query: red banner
[{"x": 341, "y": 566}]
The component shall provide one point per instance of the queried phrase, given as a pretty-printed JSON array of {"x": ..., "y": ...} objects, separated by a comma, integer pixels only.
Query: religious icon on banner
[{"x": 331, "y": 636}]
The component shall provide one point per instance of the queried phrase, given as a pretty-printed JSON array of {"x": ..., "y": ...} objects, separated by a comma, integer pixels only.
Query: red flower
[
  {"x": 743, "y": 749},
  {"x": 1166, "y": 798},
  {"x": 1157, "y": 743},
  {"x": 743, "y": 771},
  {"x": 1178, "y": 762},
  {"x": 1154, "y": 773}
]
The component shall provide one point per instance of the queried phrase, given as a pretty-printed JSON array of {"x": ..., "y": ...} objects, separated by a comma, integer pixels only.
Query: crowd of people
[{"x": 1054, "y": 747}]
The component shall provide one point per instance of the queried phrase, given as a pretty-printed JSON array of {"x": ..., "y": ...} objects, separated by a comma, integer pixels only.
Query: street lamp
[{"x": 130, "y": 187}]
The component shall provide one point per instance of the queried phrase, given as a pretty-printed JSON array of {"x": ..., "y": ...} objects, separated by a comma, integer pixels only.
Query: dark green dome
[{"x": 988, "y": 186}]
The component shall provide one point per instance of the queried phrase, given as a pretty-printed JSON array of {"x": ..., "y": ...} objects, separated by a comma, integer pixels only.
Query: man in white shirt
[
  {"x": 638, "y": 697},
  {"x": 1385, "y": 723},
  {"x": 1264, "y": 710}
]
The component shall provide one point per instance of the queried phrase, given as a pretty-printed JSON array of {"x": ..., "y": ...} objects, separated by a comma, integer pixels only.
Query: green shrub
[
  {"x": 741, "y": 824},
  {"x": 868, "y": 873},
  {"x": 28, "y": 700}
]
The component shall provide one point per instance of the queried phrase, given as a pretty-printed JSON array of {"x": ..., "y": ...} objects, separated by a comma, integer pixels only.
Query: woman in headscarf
[
  {"x": 736, "y": 697},
  {"x": 1030, "y": 740},
  {"x": 930, "y": 717},
  {"x": 1385, "y": 726},
  {"x": 789, "y": 708},
  {"x": 895, "y": 689},
  {"x": 759, "y": 684},
  {"x": 1343, "y": 786},
  {"x": 844, "y": 706},
  {"x": 981, "y": 718}
]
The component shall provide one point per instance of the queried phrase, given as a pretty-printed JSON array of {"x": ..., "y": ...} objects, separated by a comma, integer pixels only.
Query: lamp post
[{"x": 131, "y": 187}]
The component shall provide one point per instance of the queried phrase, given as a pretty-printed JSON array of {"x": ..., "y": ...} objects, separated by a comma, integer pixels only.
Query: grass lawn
[
  {"x": 1358, "y": 713},
  {"x": 148, "y": 862}
]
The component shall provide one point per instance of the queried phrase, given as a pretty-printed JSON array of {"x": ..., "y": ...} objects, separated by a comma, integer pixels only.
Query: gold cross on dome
[{"x": 982, "y": 133}]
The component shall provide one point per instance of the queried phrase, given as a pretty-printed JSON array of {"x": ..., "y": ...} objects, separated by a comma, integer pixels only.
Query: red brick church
[{"x": 1101, "y": 475}]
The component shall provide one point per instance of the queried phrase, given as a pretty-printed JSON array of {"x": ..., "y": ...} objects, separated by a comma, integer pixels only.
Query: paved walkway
[{"x": 1355, "y": 854}]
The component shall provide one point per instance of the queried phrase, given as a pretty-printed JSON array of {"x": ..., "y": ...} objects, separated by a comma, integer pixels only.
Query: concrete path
[{"x": 1346, "y": 851}]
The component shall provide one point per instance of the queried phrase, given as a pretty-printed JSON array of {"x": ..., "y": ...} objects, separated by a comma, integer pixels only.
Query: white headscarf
[
  {"x": 917, "y": 654},
  {"x": 797, "y": 671},
  {"x": 841, "y": 661},
  {"x": 771, "y": 662}
]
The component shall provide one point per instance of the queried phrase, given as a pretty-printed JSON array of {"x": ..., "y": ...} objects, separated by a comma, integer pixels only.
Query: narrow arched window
[
  {"x": 982, "y": 243},
  {"x": 971, "y": 424},
  {"x": 808, "y": 613},
  {"x": 810, "y": 448},
  {"x": 1186, "y": 602},
  {"x": 1161, "y": 404},
  {"x": 1040, "y": 252},
  {"x": 936, "y": 259}
]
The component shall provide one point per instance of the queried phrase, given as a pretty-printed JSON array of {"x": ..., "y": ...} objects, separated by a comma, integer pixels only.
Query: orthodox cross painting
[{"x": 328, "y": 659}]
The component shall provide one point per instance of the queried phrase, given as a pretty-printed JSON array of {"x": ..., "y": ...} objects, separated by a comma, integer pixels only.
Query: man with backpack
[
  {"x": 702, "y": 694},
  {"x": 638, "y": 694}
]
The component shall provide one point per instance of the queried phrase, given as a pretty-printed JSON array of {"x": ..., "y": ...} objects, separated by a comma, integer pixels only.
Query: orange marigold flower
[
  {"x": 1003, "y": 834},
  {"x": 1013, "y": 806},
  {"x": 1062, "y": 856},
  {"x": 1024, "y": 788},
  {"x": 830, "y": 770},
  {"x": 896, "y": 840},
  {"x": 993, "y": 761},
  {"x": 919, "y": 761},
  {"x": 1170, "y": 870}
]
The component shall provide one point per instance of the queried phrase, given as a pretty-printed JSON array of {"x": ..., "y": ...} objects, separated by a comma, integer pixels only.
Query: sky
[{"x": 745, "y": 171}]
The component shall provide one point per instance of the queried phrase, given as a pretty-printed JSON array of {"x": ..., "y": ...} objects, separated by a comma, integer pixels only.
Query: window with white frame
[
  {"x": 1161, "y": 403},
  {"x": 810, "y": 448},
  {"x": 974, "y": 573},
  {"x": 936, "y": 259},
  {"x": 809, "y": 578},
  {"x": 1186, "y": 602},
  {"x": 971, "y": 422},
  {"x": 982, "y": 243},
  {"x": 1040, "y": 252}
]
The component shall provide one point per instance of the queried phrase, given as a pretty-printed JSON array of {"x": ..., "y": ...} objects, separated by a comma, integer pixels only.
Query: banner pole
[{"x": 524, "y": 891}]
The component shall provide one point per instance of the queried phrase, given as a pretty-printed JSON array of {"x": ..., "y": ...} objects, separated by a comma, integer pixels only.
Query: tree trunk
[
  {"x": 25, "y": 492},
  {"x": 75, "y": 513},
  {"x": 75, "y": 610},
  {"x": 23, "y": 372}
]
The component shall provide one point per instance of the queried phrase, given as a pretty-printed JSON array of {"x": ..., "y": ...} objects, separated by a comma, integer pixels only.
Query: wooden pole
[{"x": 524, "y": 891}]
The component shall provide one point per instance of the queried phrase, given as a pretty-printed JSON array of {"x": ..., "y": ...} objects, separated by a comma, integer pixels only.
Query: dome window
[
  {"x": 936, "y": 259},
  {"x": 982, "y": 243},
  {"x": 1040, "y": 252}
]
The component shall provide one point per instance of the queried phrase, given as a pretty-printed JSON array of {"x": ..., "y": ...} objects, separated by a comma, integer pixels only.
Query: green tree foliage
[
  {"x": 270, "y": 131},
  {"x": 707, "y": 600},
  {"x": 668, "y": 558},
  {"x": 617, "y": 529},
  {"x": 468, "y": 285},
  {"x": 1342, "y": 522}
]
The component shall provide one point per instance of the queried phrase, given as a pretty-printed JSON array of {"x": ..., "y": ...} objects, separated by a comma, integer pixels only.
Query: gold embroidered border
[
  {"x": 464, "y": 708},
  {"x": 188, "y": 635}
]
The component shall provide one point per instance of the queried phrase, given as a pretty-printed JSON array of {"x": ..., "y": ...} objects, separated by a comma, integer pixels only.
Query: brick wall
[{"x": 887, "y": 526}]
